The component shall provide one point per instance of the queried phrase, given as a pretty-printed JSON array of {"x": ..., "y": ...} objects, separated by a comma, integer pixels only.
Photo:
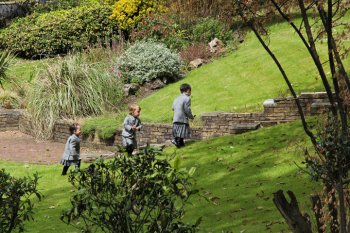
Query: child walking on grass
[
  {"x": 182, "y": 114},
  {"x": 71, "y": 154},
  {"x": 132, "y": 123}
]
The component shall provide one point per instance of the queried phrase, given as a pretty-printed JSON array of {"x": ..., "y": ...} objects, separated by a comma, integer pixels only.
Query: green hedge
[{"x": 58, "y": 32}]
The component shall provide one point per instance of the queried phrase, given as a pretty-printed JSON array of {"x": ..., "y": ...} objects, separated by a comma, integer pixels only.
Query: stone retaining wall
[
  {"x": 11, "y": 9},
  {"x": 276, "y": 111},
  {"x": 9, "y": 119}
]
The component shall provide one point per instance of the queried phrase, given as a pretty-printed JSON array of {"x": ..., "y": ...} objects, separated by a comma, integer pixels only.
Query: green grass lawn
[
  {"x": 23, "y": 71},
  {"x": 239, "y": 82},
  {"x": 242, "y": 80},
  {"x": 239, "y": 172}
]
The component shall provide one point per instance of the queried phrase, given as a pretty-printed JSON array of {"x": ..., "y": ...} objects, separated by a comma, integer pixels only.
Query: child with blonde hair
[{"x": 132, "y": 123}]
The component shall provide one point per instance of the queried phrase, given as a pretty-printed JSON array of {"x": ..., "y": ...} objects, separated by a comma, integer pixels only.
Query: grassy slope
[
  {"x": 242, "y": 170},
  {"x": 242, "y": 80}
]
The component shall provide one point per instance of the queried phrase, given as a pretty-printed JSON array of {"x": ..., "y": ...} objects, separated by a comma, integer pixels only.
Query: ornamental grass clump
[
  {"x": 145, "y": 61},
  {"x": 10, "y": 99},
  {"x": 6, "y": 60},
  {"x": 71, "y": 88}
]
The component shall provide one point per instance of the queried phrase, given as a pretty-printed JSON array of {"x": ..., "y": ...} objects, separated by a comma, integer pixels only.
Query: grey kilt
[
  {"x": 181, "y": 130},
  {"x": 129, "y": 141}
]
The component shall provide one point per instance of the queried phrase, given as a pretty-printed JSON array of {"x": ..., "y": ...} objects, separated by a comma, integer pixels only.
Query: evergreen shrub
[
  {"x": 16, "y": 202},
  {"x": 141, "y": 193},
  {"x": 58, "y": 32},
  {"x": 146, "y": 60},
  {"x": 164, "y": 28},
  {"x": 209, "y": 28}
]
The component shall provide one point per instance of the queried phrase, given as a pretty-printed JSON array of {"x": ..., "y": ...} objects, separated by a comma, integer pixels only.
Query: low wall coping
[
  {"x": 11, "y": 111},
  {"x": 304, "y": 95}
]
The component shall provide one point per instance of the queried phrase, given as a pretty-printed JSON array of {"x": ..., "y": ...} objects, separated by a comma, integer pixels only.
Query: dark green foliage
[
  {"x": 131, "y": 194},
  {"x": 59, "y": 31},
  {"x": 16, "y": 206},
  {"x": 333, "y": 150},
  {"x": 163, "y": 28},
  {"x": 209, "y": 28}
]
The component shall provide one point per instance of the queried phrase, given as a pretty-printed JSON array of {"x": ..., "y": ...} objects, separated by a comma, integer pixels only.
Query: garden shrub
[
  {"x": 59, "y": 31},
  {"x": 131, "y": 194},
  {"x": 16, "y": 204},
  {"x": 188, "y": 12},
  {"x": 128, "y": 13},
  {"x": 147, "y": 60},
  {"x": 71, "y": 88},
  {"x": 194, "y": 51},
  {"x": 209, "y": 28},
  {"x": 162, "y": 27},
  {"x": 53, "y": 5}
]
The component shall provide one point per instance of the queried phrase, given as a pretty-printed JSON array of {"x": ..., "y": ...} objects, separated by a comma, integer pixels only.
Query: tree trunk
[
  {"x": 317, "y": 208},
  {"x": 290, "y": 211}
]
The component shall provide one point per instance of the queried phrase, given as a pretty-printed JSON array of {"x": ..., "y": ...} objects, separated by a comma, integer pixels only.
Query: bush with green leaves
[
  {"x": 65, "y": 4},
  {"x": 70, "y": 88},
  {"x": 162, "y": 27},
  {"x": 131, "y": 194},
  {"x": 58, "y": 32},
  {"x": 209, "y": 28},
  {"x": 146, "y": 60},
  {"x": 16, "y": 204}
]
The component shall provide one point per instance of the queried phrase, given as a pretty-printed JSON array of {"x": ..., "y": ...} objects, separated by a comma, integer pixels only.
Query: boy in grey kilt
[
  {"x": 132, "y": 123},
  {"x": 182, "y": 114}
]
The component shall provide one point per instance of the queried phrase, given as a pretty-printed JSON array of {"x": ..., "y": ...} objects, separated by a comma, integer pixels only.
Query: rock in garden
[
  {"x": 213, "y": 45},
  {"x": 130, "y": 89},
  {"x": 196, "y": 63},
  {"x": 269, "y": 103},
  {"x": 156, "y": 84}
]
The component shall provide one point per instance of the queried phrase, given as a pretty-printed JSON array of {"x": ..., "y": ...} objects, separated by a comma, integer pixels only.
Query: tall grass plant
[
  {"x": 71, "y": 88},
  {"x": 6, "y": 60}
]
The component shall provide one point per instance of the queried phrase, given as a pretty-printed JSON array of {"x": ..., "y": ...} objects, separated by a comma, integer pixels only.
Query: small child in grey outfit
[
  {"x": 132, "y": 123},
  {"x": 71, "y": 154}
]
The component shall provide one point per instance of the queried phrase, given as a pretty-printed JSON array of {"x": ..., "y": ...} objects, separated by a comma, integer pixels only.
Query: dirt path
[{"x": 19, "y": 147}]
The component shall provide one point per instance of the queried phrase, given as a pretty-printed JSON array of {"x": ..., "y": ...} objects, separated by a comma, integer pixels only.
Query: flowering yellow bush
[{"x": 128, "y": 13}]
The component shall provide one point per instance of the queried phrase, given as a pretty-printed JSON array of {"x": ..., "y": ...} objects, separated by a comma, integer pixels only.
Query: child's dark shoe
[{"x": 175, "y": 143}]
